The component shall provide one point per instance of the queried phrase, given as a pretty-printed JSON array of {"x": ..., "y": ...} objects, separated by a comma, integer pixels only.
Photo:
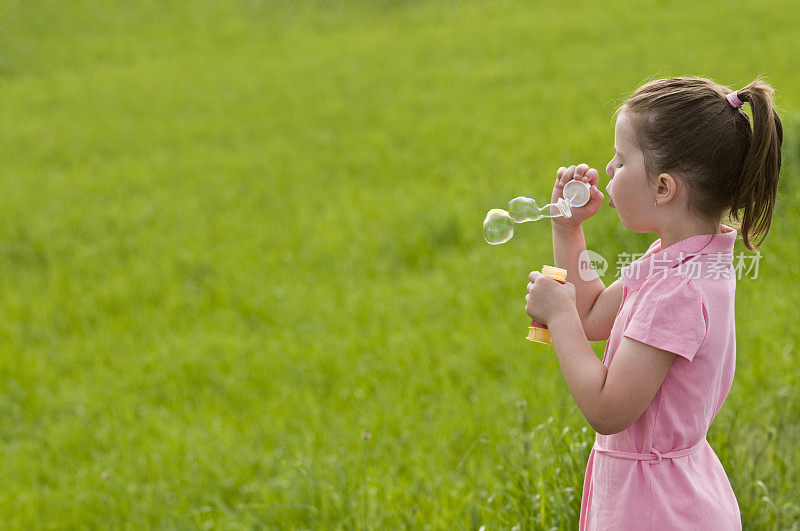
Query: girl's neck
[{"x": 686, "y": 227}]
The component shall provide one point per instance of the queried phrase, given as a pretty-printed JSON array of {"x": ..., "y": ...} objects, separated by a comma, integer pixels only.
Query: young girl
[{"x": 685, "y": 156}]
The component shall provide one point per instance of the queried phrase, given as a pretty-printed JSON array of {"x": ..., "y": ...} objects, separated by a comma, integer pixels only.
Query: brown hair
[{"x": 685, "y": 126}]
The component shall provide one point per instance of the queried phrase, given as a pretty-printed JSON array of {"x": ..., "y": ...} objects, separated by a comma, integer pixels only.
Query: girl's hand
[
  {"x": 583, "y": 173},
  {"x": 546, "y": 297}
]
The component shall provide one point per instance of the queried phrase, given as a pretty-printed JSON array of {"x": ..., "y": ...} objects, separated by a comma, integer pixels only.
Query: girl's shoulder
[{"x": 671, "y": 282}]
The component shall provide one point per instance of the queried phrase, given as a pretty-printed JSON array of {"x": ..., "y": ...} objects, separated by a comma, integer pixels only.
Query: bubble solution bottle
[{"x": 537, "y": 331}]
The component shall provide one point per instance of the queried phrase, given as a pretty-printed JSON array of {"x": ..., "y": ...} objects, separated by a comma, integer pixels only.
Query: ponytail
[{"x": 754, "y": 198}]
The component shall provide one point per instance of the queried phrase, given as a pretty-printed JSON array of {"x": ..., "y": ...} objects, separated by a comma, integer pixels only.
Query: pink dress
[{"x": 661, "y": 473}]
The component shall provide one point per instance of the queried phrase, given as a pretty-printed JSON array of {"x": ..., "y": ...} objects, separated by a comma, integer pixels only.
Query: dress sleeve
[{"x": 670, "y": 314}]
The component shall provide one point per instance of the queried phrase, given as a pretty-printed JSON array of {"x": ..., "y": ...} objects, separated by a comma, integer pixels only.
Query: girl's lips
[{"x": 611, "y": 202}]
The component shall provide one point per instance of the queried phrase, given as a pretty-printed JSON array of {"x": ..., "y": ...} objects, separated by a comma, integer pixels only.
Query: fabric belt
[{"x": 653, "y": 456}]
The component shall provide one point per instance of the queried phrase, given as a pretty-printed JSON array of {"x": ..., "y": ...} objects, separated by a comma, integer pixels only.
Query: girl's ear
[{"x": 666, "y": 188}]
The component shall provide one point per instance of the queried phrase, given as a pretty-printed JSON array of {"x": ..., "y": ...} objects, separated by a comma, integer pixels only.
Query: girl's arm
[
  {"x": 597, "y": 305},
  {"x": 610, "y": 398}
]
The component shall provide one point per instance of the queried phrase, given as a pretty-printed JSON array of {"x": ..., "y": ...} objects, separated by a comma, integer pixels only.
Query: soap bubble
[
  {"x": 498, "y": 227},
  {"x": 524, "y": 209}
]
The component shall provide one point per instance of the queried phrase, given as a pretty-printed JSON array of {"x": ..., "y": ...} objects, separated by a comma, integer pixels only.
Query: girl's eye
[{"x": 619, "y": 164}]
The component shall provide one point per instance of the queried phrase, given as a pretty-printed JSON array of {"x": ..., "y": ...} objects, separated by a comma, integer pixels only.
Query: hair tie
[{"x": 733, "y": 99}]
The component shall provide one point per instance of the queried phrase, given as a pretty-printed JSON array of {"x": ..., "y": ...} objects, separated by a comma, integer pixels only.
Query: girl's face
[{"x": 629, "y": 190}]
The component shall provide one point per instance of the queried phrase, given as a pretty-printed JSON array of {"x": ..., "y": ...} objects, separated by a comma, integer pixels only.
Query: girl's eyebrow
[{"x": 617, "y": 151}]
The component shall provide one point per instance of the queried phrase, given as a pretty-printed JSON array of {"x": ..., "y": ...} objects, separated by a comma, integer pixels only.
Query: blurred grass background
[{"x": 242, "y": 278}]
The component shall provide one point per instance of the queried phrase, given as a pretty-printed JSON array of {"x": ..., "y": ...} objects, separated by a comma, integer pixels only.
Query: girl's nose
[{"x": 610, "y": 169}]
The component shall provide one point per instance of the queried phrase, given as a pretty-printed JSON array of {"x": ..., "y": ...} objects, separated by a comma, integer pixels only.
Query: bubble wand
[{"x": 498, "y": 227}]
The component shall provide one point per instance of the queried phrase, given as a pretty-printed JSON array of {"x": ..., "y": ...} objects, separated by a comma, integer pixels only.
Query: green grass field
[{"x": 242, "y": 278}]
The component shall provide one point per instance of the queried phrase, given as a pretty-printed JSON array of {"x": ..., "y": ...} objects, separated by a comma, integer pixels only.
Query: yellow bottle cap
[
  {"x": 556, "y": 273},
  {"x": 540, "y": 335}
]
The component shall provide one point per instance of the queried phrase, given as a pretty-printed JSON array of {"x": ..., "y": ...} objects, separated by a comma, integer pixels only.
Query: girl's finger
[
  {"x": 560, "y": 178},
  {"x": 591, "y": 177},
  {"x": 595, "y": 195},
  {"x": 568, "y": 175},
  {"x": 580, "y": 170},
  {"x": 533, "y": 276}
]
